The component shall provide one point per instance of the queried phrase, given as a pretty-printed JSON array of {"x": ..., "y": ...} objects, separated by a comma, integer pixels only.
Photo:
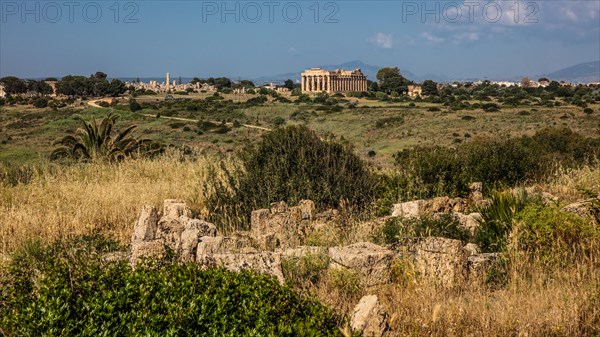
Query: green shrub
[
  {"x": 389, "y": 121},
  {"x": 278, "y": 121},
  {"x": 134, "y": 105},
  {"x": 40, "y": 102},
  {"x": 490, "y": 107},
  {"x": 206, "y": 125},
  {"x": 176, "y": 125},
  {"x": 398, "y": 229},
  {"x": 290, "y": 164},
  {"x": 222, "y": 129},
  {"x": 497, "y": 163},
  {"x": 346, "y": 281},
  {"x": 382, "y": 96},
  {"x": 434, "y": 109},
  {"x": 497, "y": 220},
  {"x": 556, "y": 236},
  {"x": 67, "y": 289}
]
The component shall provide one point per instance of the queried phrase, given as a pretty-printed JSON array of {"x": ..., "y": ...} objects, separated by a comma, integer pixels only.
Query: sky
[{"x": 249, "y": 39}]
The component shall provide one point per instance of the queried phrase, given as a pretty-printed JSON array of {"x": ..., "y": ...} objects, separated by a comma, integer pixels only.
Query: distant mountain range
[{"x": 581, "y": 73}]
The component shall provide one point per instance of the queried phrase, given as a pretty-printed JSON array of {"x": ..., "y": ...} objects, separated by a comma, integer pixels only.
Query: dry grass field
[
  {"x": 62, "y": 201},
  {"x": 105, "y": 198}
]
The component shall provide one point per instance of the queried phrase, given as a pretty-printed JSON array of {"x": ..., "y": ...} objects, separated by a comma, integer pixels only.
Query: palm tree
[{"x": 93, "y": 141}]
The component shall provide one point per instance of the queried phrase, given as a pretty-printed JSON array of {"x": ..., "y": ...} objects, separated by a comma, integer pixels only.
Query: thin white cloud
[
  {"x": 571, "y": 15},
  {"x": 292, "y": 51},
  {"x": 432, "y": 38},
  {"x": 383, "y": 41}
]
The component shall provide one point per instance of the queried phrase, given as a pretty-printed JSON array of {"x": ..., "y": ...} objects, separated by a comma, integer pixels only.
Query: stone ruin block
[
  {"x": 174, "y": 230},
  {"x": 371, "y": 261},
  {"x": 369, "y": 318},
  {"x": 439, "y": 260},
  {"x": 236, "y": 243},
  {"x": 154, "y": 249},
  {"x": 145, "y": 227},
  {"x": 410, "y": 209},
  {"x": 260, "y": 262},
  {"x": 281, "y": 226},
  {"x": 478, "y": 265}
]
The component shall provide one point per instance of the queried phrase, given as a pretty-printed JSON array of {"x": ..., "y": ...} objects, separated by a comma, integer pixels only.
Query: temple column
[{"x": 302, "y": 82}]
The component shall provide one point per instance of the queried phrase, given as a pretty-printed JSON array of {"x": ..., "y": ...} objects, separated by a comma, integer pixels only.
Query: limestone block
[
  {"x": 371, "y": 261},
  {"x": 369, "y": 317},
  {"x": 145, "y": 226}
]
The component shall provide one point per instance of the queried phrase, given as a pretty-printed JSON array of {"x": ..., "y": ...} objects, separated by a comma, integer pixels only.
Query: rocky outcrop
[
  {"x": 369, "y": 317},
  {"x": 587, "y": 209}
]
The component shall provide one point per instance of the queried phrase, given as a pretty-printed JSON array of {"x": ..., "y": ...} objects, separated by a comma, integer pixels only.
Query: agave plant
[{"x": 92, "y": 141}]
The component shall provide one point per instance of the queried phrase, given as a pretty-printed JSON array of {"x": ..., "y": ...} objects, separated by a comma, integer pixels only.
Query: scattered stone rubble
[{"x": 281, "y": 233}]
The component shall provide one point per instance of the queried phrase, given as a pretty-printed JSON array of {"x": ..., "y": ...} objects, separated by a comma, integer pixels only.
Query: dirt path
[
  {"x": 92, "y": 103},
  {"x": 215, "y": 122}
]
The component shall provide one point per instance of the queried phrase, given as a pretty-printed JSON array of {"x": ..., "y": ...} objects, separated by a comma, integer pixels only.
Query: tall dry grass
[
  {"x": 106, "y": 197},
  {"x": 535, "y": 302},
  {"x": 573, "y": 184},
  {"x": 61, "y": 201}
]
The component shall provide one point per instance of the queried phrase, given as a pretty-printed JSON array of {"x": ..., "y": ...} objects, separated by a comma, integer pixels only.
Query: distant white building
[
  {"x": 2, "y": 92},
  {"x": 505, "y": 83}
]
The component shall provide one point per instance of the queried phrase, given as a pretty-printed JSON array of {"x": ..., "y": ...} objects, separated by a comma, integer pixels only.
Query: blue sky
[{"x": 194, "y": 38}]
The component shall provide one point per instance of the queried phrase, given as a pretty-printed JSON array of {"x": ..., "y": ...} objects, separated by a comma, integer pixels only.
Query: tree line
[{"x": 96, "y": 85}]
